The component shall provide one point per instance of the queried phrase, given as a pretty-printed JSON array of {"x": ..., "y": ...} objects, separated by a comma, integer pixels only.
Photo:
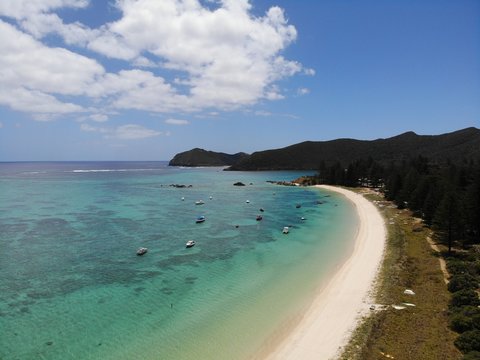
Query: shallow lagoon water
[{"x": 72, "y": 286}]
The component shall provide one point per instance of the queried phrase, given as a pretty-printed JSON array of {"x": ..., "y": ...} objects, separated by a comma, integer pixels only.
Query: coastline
[{"x": 339, "y": 306}]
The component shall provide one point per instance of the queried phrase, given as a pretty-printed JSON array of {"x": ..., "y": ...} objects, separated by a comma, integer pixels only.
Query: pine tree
[
  {"x": 472, "y": 206},
  {"x": 448, "y": 222}
]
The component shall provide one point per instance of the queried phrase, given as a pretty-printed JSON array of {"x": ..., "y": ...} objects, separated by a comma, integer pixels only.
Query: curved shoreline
[{"x": 338, "y": 307}]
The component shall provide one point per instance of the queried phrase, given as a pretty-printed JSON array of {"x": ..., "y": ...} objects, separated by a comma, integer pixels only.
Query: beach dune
[{"x": 338, "y": 307}]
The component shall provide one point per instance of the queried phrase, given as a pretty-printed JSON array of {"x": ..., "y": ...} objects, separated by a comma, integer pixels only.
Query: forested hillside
[{"x": 309, "y": 155}]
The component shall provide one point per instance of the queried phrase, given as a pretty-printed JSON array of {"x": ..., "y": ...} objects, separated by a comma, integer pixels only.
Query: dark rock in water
[
  {"x": 49, "y": 343},
  {"x": 284, "y": 183},
  {"x": 239, "y": 183}
]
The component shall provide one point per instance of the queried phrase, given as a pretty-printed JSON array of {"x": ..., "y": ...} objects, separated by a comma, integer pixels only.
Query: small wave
[
  {"x": 34, "y": 172},
  {"x": 110, "y": 170}
]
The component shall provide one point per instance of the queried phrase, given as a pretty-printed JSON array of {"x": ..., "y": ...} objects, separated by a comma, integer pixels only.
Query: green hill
[
  {"x": 200, "y": 157},
  {"x": 455, "y": 146}
]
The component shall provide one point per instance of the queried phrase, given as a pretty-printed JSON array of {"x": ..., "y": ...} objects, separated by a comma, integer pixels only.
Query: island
[{"x": 200, "y": 157}]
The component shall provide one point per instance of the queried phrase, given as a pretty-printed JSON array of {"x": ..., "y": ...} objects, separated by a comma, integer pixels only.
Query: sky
[{"x": 146, "y": 79}]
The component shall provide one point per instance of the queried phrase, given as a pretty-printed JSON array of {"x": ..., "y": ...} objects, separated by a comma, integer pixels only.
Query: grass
[{"x": 419, "y": 332}]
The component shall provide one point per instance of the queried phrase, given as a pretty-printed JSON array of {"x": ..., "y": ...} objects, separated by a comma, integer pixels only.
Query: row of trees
[{"x": 447, "y": 197}]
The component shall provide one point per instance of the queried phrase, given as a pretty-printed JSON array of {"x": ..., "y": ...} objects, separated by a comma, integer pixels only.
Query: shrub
[
  {"x": 463, "y": 281},
  {"x": 467, "y": 318},
  {"x": 458, "y": 267},
  {"x": 472, "y": 355},
  {"x": 469, "y": 341},
  {"x": 465, "y": 297}
]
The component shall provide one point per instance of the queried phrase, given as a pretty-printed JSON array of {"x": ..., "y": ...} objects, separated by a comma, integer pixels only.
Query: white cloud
[
  {"x": 132, "y": 132},
  {"x": 43, "y": 106},
  {"x": 177, "y": 122},
  {"x": 230, "y": 57},
  {"x": 36, "y": 17},
  {"x": 90, "y": 128},
  {"x": 98, "y": 117},
  {"x": 309, "y": 72},
  {"x": 303, "y": 91},
  {"x": 222, "y": 56},
  {"x": 20, "y": 9},
  {"x": 32, "y": 75},
  {"x": 263, "y": 113},
  {"x": 123, "y": 132}
]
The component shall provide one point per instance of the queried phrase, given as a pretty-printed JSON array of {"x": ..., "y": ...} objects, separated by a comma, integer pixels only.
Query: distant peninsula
[
  {"x": 309, "y": 155},
  {"x": 201, "y": 157}
]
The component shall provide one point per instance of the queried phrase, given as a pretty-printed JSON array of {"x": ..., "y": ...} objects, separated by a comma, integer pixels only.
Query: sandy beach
[{"x": 334, "y": 314}]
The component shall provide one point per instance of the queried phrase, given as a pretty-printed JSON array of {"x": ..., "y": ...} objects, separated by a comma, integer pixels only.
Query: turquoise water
[{"x": 72, "y": 287}]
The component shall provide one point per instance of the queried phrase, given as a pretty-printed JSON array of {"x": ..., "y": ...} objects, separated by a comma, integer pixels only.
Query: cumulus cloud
[
  {"x": 31, "y": 74},
  {"x": 177, "y": 122},
  {"x": 36, "y": 17},
  {"x": 223, "y": 57},
  {"x": 230, "y": 57},
  {"x": 20, "y": 9}
]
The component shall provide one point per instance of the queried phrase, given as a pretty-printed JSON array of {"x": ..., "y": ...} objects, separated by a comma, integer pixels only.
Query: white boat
[
  {"x": 199, "y": 202},
  {"x": 200, "y": 219},
  {"x": 285, "y": 230},
  {"x": 190, "y": 243},
  {"x": 141, "y": 251}
]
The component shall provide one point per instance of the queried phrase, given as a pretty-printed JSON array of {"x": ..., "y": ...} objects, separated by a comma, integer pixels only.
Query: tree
[
  {"x": 448, "y": 222},
  {"x": 469, "y": 341},
  {"x": 466, "y": 297},
  {"x": 431, "y": 202},
  {"x": 472, "y": 205}
]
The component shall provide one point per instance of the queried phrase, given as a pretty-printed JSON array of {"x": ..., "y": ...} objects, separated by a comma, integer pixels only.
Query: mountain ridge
[{"x": 308, "y": 155}]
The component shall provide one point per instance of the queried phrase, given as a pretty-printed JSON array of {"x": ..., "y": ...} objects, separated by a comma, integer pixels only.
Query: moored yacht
[{"x": 141, "y": 251}]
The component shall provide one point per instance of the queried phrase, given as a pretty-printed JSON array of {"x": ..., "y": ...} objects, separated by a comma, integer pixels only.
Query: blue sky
[{"x": 145, "y": 79}]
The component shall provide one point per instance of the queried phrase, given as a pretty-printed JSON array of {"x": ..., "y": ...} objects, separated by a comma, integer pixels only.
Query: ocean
[{"x": 72, "y": 286}]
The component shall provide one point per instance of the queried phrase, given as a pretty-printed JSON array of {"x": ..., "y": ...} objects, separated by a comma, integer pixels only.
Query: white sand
[{"x": 337, "y": 309}]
